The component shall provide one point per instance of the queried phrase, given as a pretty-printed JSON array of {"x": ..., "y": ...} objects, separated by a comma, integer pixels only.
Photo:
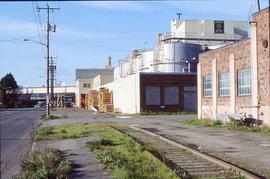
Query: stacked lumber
[
  {"x": 92, "y": 99},
  {"x": 105, "y": 100}
]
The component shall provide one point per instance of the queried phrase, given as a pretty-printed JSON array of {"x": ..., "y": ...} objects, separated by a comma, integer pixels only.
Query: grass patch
[
  {"x": 229, "y": 126},
  {"x": 127, "y": 158},
  {"x": 146, "y": 113},
  {"x": 42, "y": 132},
  {"x": 50, "y": 117},
  {"x": 65, "y": 131},
  {"x": 65, "y": 117},
  {"x": 46, "y": 163}
]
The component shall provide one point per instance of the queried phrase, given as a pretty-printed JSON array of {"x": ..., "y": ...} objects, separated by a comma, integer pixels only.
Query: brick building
[
  {"x": 168, "y": 92},
  {"x": 236, "y": 78}
]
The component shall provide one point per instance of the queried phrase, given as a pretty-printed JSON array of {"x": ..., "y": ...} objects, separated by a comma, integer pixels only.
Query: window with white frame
[
  {"x": 224, "y": 84},
  {"x": 207, "y": 85},
  {"x": 244, "y": 82}
]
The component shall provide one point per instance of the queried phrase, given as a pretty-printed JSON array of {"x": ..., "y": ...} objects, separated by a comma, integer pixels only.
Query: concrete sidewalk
[
  {"x": 85, "y": 163},
  {"x": 250, "y": 150}
]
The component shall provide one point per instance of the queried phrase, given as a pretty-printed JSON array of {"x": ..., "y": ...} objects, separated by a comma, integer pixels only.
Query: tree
[{"x": 8, "y": 87}]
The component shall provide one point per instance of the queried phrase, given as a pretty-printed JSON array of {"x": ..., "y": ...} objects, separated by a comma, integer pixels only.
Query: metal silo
[
  {"x": 146, "y": 61},
  {"x": 179, "y": 57}
]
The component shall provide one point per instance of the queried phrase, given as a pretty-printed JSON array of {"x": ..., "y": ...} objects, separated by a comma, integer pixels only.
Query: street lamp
[
  {"x": 26, "y": 40},
  {"x": 48, "y": 91}
]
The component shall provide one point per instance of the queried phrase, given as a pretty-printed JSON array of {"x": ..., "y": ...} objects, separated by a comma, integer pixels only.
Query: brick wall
[
  {"x": 263, "y": 23},
  {"x": 166, "y": 80},
  {"x": 241, "y": 52}
]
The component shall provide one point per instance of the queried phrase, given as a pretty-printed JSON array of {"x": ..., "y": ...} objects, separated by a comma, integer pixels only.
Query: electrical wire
[
  {"x": 40, "y": 22},
  {"x": 34, "y": 11}
]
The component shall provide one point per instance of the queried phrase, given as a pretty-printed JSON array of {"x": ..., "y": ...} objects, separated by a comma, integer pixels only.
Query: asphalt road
[{"x": 17, "y": 126}]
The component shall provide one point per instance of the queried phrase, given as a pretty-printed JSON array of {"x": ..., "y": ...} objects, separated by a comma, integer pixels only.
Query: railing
[{"x": 201, "y": 37}]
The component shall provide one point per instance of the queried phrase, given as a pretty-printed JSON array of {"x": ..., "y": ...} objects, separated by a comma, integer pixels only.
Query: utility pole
[
  {"x": 48, "y": 29},
  {"x": 259, "y": 6},
  {"x": 52, "y": 77}
]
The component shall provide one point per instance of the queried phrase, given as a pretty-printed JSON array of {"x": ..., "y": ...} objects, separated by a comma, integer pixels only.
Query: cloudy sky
[{"x": 88, "y": 32}]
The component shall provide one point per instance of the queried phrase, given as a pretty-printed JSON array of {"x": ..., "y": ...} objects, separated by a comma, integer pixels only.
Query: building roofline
[
  {"x": 261, "y": 11},
  {"x": 167, "y": 73},
  {"x": 46, "y": 87},
  {"x": 225, "y": 46},
  {"x": 94, "y": 68},
  {"x": 209, "y": 20}
]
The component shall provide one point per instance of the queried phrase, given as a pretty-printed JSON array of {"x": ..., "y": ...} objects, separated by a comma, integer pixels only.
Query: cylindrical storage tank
[
  {"x": 125, "y": 68},
  {"x": 180, "y": 57},
  {"x": 116, "y": 73},
  {"x": 147, "y": 59}
]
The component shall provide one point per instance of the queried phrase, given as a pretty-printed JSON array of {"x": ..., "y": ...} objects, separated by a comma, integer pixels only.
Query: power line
[
  {"x": 34, "y": 11},
  {"x": 40, "y": 23}
]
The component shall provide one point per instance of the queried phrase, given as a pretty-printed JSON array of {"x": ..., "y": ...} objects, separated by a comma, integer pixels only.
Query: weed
[
  {"x": 46, "y": 163},
  {"x": 229, "y": 126},
  {"x": 96, "y": 144},
  {"x": 43, "y": 116},
  {"x": 127, "y": 158},
  {"x": 63, "y": 131},
  {"x": 50, "y": 117},
  {"x": 197, "y": 122},
  {"x": 166, "y": 113},
  {"x": 217, "y": 123},
  {"x": 84, "y": 133},
  {"x": 65, "y": 117},
  {"x": 43, "y": 132}
]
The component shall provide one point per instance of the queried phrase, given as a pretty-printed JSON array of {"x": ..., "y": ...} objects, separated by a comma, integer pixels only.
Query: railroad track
[{"x": 185, "y": 161}]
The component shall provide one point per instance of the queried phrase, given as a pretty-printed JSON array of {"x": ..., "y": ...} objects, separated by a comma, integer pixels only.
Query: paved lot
[
  {"x": 247, "y": 148},
  {"x": 17, "y": 125}
]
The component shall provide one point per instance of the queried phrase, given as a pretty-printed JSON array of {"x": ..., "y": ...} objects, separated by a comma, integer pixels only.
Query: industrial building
[
  {"x": 165, "y": 78},
  {"x": 235, "y": 79},
  {"x": 87, "y": 79},
  {"x": 63, "y": 96},
  {"x": 208, "y": 32},
  {"x": 145, "y": 83}
]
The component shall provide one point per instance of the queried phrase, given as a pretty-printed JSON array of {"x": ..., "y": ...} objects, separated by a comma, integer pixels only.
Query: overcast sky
[{"x": 89, "y": 32}]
